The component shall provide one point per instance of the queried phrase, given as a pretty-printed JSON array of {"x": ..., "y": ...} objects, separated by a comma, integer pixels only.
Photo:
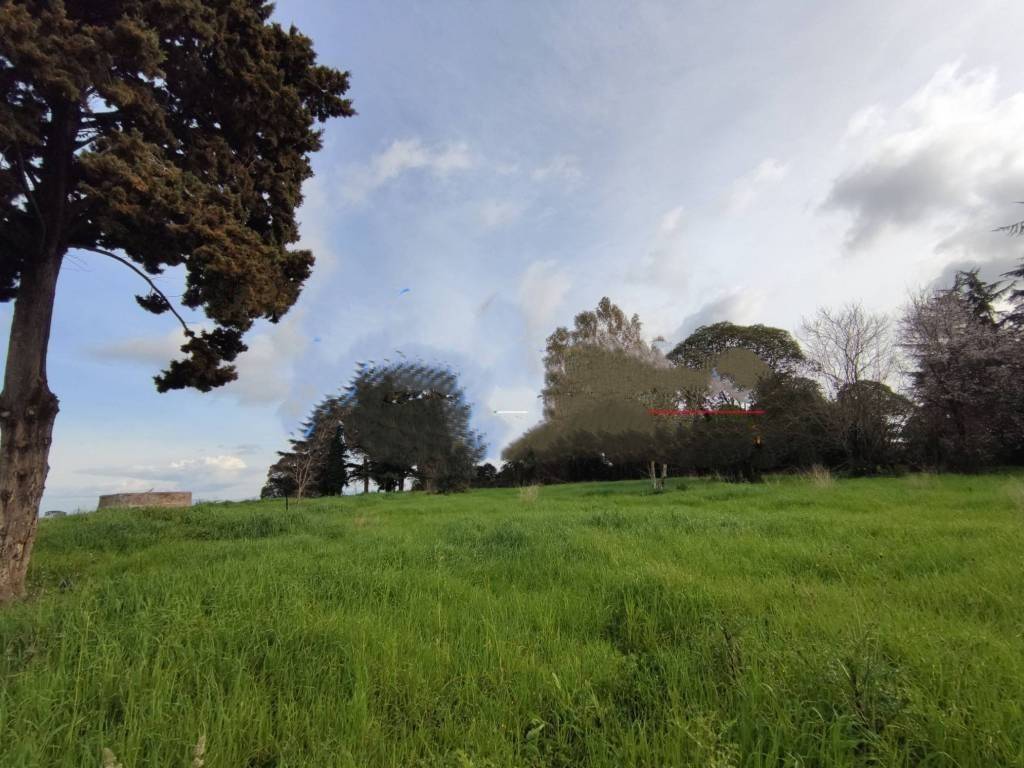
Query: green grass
[{"x": 872, "y": 622}]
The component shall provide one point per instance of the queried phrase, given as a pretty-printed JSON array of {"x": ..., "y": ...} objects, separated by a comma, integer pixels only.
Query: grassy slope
[{"x": 786, "y": 624}]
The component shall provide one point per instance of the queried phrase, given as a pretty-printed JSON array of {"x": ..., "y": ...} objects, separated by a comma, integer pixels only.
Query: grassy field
[{"x": 865, "y": 622}]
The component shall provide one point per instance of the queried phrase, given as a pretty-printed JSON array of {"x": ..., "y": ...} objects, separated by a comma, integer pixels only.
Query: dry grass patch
[
  {"x": 1015, "y": 490},
  {"x": 820, "y": 477},
  {"x": 529, "y": 494}
]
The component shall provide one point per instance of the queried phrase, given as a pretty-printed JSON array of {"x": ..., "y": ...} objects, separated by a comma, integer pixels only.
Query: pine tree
[
  {"x": 334, "y": 475},
  {"x": 157, "y": 133}
]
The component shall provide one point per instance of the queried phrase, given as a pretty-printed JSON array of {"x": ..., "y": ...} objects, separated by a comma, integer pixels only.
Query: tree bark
[{"x": 28, "y": 410}]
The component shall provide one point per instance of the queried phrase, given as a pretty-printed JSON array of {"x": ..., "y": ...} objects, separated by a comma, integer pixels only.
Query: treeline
[
  {"x": 942, "y": 388},
  {"x": 393, "y": 423}
]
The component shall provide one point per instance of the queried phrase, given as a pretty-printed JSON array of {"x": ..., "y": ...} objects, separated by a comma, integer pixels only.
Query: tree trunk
[
  {"x": 366, "y": 477},
  {"x": 664, "y": 474},
  {"x": 27, "y": 412}
]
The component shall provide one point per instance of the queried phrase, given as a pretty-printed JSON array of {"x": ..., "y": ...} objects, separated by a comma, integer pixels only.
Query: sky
[{"x": 512, "y": 163}]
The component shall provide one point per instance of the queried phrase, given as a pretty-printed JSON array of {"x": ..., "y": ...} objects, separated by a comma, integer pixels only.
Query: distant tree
[
  {"x": 869, "y": 422},
  {"x": 979, "y": 297},
  {"x": 968, "y": 380},
  {"x": 281, "y": 478},
  {"x": 601, "y": 407},
  {"x": 774, "y": 346},
  {"x": 1015, "y": 317},
  {"x": 334, "y": 475},
  {"x": 307, "y": 469},
  {"x": 796, "y": 430},
  {"x": 849, "y": 345},
  {"x": 486, "y": 475},
  {"x": 412, "y": 419},
  {"x": 157, "y": 133},
  {"x": 852, "y": 353},
  {"x": 607, "y": 327}
]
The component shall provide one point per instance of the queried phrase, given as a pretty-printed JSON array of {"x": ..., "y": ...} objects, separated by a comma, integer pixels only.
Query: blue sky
[{"x": 513, "y": 162}]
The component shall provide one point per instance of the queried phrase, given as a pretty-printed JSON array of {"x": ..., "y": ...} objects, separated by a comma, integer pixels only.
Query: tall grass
[
  {"x": 722, "y": 625},
  {"x": 819, "y": 476}
]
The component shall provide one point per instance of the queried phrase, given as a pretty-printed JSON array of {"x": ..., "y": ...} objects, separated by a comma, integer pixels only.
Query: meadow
[{"x": 874, "y": 622}]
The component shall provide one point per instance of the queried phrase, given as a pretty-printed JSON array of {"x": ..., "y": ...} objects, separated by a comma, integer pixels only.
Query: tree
[
  {"x": 157, "y": 133},
  {"x": 608, "y": 328},
  {"x": 281, "y": 482},
  {"x": 869, "y": 421},
  {"x": 796, "y": 430},
  {"x": 316, "y": 463},
  {"x": 486, "y": 475},
  {"x": 609, "y": 335},
  {"x": 968, "y": 380},
  {"x": 851, "y": 351},
  {"x": 978, "y": 296},
  {"x": 411, "y": 419},
  {"x": 600, "y": 409},
  {"x": 774, "y": 346},
  {"x": 1015, "y": 316},
  {"x": 848, "y": 345},
  {"x": 335, "y": 474}
]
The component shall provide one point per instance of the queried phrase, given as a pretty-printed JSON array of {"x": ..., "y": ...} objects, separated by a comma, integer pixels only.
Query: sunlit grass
[{"x": 793, "y": 623}]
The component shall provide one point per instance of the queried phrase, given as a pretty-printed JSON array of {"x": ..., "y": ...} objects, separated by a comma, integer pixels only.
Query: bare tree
[
  {"x": 848, "y": 345},
  {"x": 851, "y": 352}
]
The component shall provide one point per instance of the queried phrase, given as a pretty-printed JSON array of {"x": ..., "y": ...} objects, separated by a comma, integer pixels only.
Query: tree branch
[
  {"x": 28, "y": 190},
  {"x": 188, "y": 331}
]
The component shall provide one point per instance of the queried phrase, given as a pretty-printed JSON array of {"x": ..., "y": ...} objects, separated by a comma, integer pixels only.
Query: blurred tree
[
  {"x": 486, "y": 475},
  {"x": 157, "y": 133},
  {"x": 608, "y": 328},
  {"x": 411, "y": 419}
]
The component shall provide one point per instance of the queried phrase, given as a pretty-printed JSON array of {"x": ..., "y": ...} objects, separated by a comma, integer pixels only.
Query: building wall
[{"x": 159, "y": 499}]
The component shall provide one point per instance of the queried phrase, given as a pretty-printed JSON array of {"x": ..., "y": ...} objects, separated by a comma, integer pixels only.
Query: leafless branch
[{"x": 188, "y": 331}]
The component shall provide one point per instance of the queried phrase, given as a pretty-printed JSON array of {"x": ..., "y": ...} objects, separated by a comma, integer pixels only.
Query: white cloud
[
  {"x": 671, "y": 220},
  {"x": 213, "y": 463},
  {"x": 154, "y": 351},
  {"x": 663, "y": 263},
  {"x": 740, "y": 307},
  {"x": 751, "y": 186},
  {"x": 497, "y": 213},
  {"x": 407, "y": 155},
  {"x": 197, "y": 473},
  {"x": 560, "y": 168},
  {"x": 864, "y": 122},
  {"x": 541, "y": 291},
  {"x": 948, "y": 161},
  {"x": 267, "y": 369}
]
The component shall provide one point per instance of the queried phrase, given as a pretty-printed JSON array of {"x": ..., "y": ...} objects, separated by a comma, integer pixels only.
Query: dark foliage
[{"x": 774, "y": 346}]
